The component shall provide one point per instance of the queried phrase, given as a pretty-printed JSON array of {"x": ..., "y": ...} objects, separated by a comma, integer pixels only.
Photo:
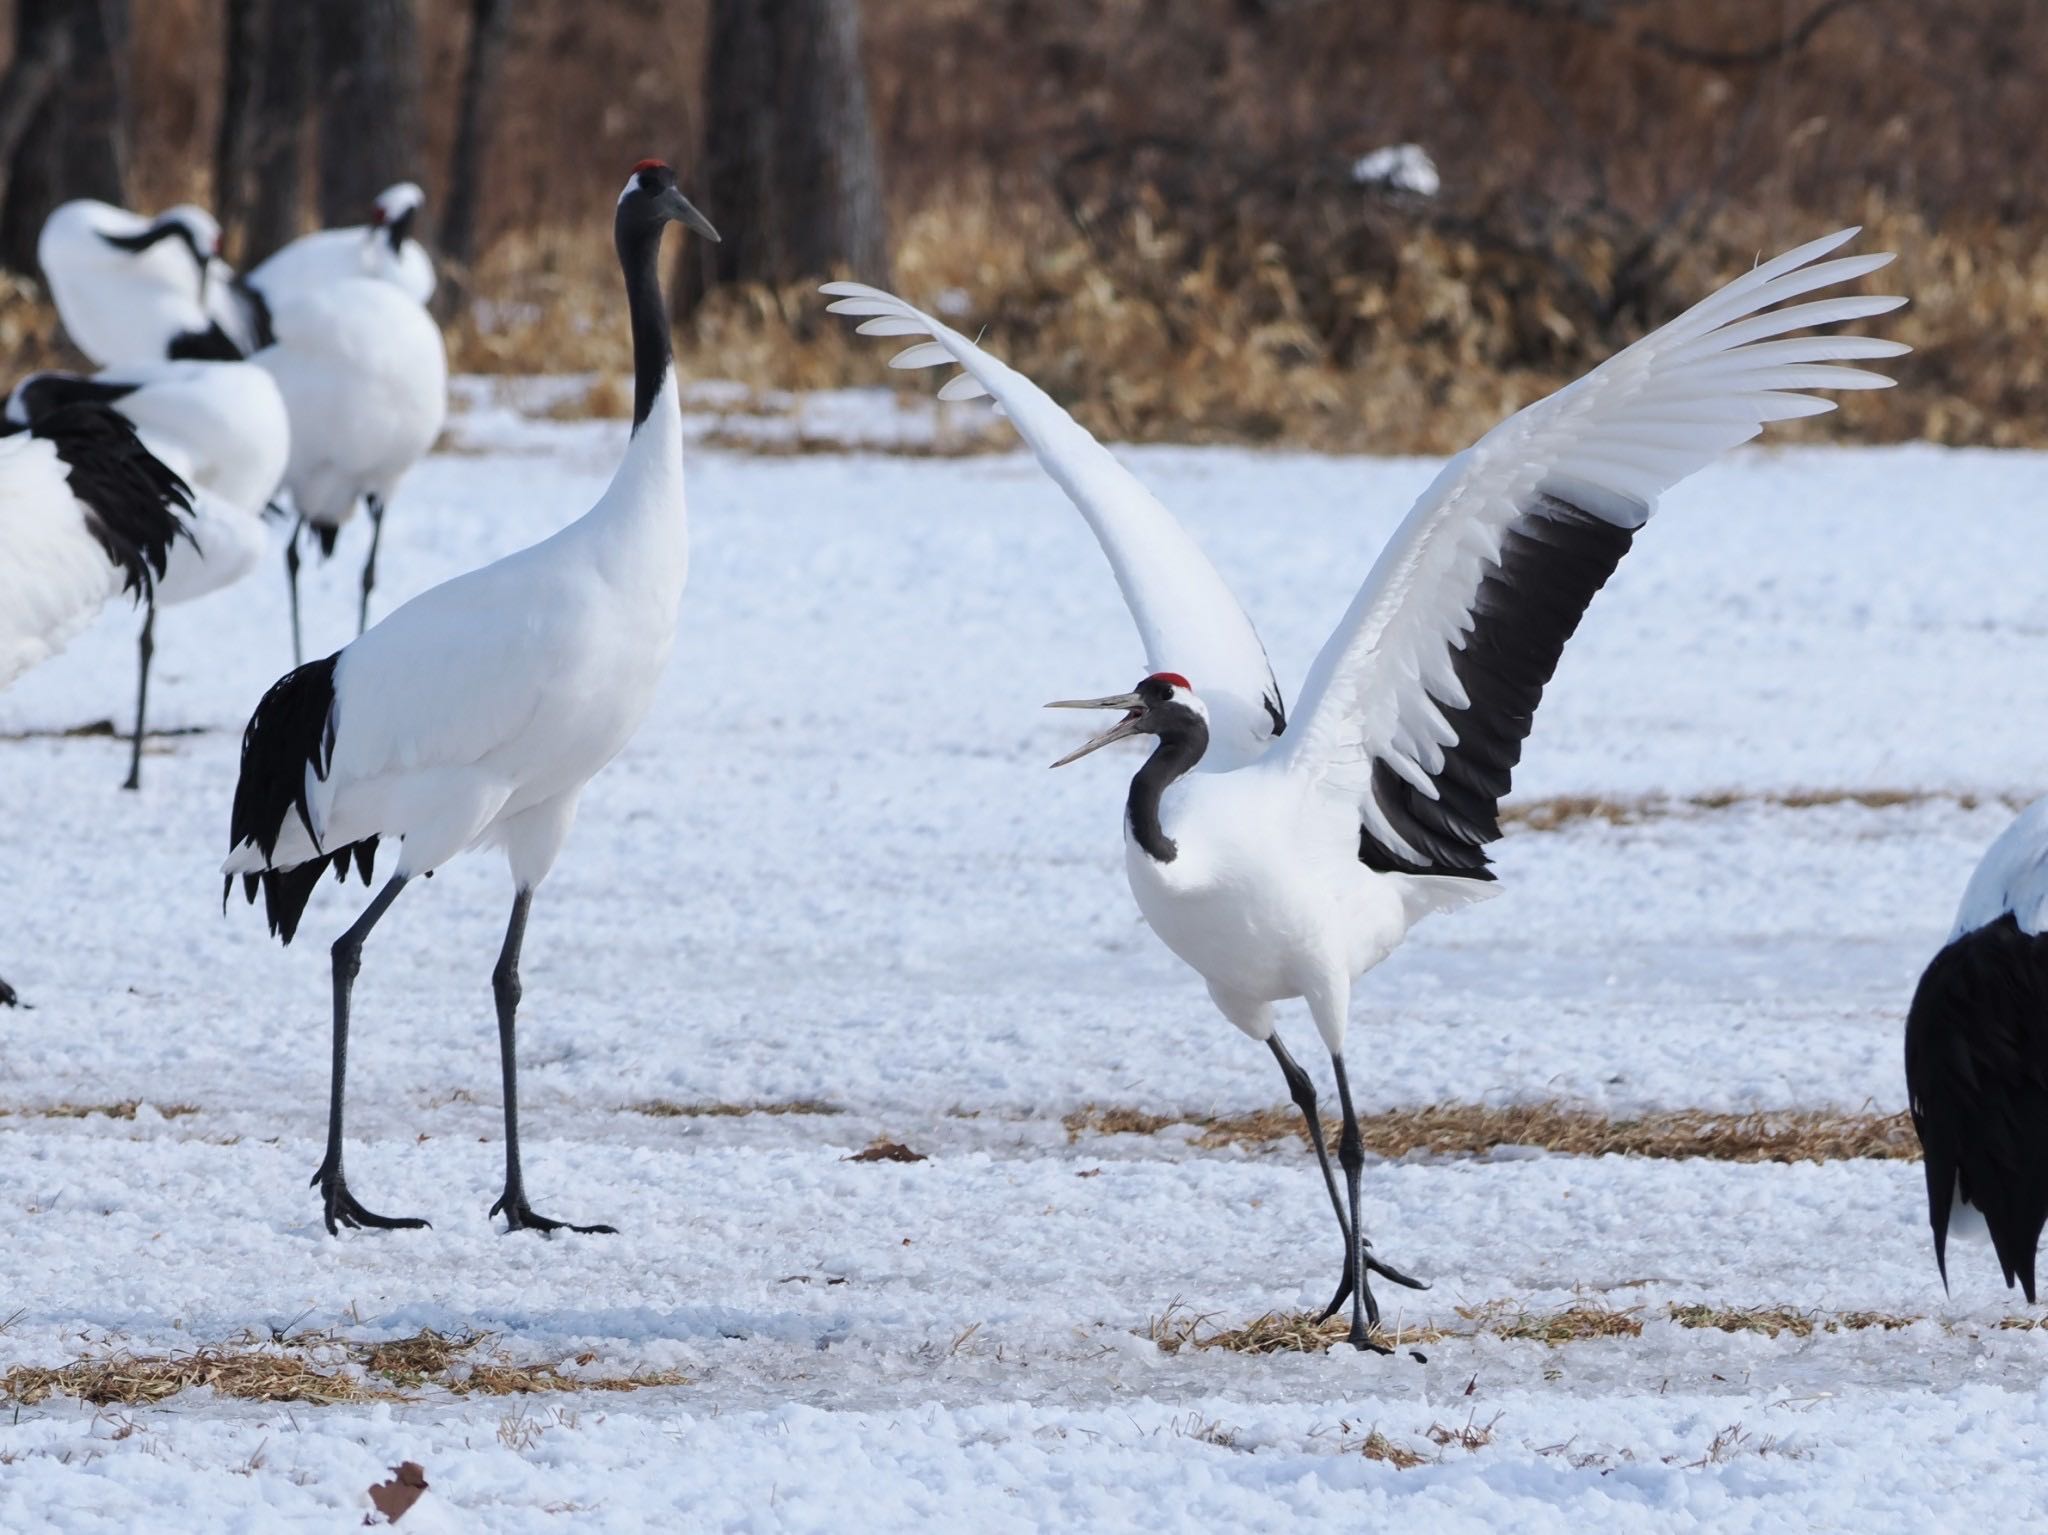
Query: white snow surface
[{"x": 833, "y": 867}]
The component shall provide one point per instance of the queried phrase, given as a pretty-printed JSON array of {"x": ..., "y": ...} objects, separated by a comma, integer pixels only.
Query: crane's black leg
[
  {"x": 512, "y": 1203},
  {"x": 1358, "y": 1260},
  {"x": 1303, "y": 1091},
  {"x": 340, "y": 1205},
  {"x": 144, "y": 649},
  {"x": 291, "y": 575},
  {"x": 376, "y": 508}
]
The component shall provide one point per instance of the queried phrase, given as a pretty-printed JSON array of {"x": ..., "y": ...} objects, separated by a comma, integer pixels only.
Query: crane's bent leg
[
  {"x": 1359, "y": 1261},
  {"x": 340, "y": 1205},
  {"x": 291, "y": 576},
  {"x": 1303, "y": 1091},
  {"x": 376, "y": 508},
  {"x": 519, "y": 1215},
  {"x": 145, "y": 647}
]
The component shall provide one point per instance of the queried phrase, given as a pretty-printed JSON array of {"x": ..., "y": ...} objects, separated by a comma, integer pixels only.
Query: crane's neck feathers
[
  {"x": 1183, "y": 738},
  {"x": 639, "y": 245}
]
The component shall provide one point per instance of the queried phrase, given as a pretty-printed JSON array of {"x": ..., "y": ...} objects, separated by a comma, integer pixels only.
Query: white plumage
[
  {"x": 130, "y": 288},
  {"x": 2013, "y": 878},
  {"x": 364, "y": 375},
  {"x": 1283, "y": 865},
  {"x": 383, "y": 248},
  {"x": 222, "y": 428},
  {"x": 474, "y": 714}
]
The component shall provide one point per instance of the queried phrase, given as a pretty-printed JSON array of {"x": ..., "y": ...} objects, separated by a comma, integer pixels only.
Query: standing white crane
[
  {"x": 383, "y": 248},
  {"x": 221, "y": 426},
  {"x": 135, "y": 289},
  {"x": 364, "y": 374},
  {"x": 474, "y": 714},
  {"x": 1285, "y": 859},
  {"x": 85, "y": 512},
  {"x": 1977, "y": 1057}
]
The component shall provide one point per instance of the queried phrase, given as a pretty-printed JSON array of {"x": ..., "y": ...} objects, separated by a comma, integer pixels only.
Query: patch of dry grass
[
  {"x": 1560, "y": 811},
  {"x": 256, "y": 1375},
  {"x": 1768, "y": 1320},
  {"x": 314, "y": 1368},
  {"x": 1179, "y": 1328},
  {"x": 124, "y": 1108},
  {"x": 1377, "y": 1446},
  {"x": 662, "y": 1108},
  {"x": 1574, "y": 1324},
  {"x": 1472, "y": 1129}
]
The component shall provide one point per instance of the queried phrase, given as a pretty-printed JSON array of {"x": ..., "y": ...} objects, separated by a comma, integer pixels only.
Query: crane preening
[
  {"x": 474, "y": 714},
  {"x": 1284, "y": 856}
]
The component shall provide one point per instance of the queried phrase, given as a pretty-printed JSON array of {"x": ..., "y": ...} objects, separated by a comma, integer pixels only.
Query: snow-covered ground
[{"x": 832, "y": 868}]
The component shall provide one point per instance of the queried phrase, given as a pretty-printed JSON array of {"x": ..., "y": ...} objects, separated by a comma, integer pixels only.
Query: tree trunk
[
  {"x": 74, "y": 141},
  {"x": 490, "y": 30},
  {"x": 241, "y": 58},
  {"x": 789, "y": 153},
  {"x": 277, "y": 157},
  {"x": 369, "y": 104}
]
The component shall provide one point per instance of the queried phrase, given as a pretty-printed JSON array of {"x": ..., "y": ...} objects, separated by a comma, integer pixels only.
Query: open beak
[
  {"x": 1127, "y": 726},
  {"x": 683, "y": 211}
]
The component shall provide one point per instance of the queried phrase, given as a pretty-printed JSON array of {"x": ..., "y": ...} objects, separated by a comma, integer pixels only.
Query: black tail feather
[
  {"x": 135, "y": 505},
  {"x": 290, "y": 738}
]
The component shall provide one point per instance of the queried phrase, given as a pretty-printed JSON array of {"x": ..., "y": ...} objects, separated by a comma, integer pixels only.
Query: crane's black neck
[
  {"x": 399, "y": 230},
  {"x": 1181, "y": 744},
  {"x": 638, "y": 237}
]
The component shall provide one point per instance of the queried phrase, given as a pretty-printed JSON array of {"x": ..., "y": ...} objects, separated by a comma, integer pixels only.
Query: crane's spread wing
[
  {"x": 1419, "y": 702},
  {"x": 1977, "y": 1082},
  {"x": 1187, "y": 619}
]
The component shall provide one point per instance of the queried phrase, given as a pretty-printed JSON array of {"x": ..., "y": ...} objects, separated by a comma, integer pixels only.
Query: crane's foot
[
  {"x": 520, "y": 1216},
  {"x": 341, "y": 1208},
  {"x": 1360, "y": 1336},
  {"x": 8, "y": 996}
]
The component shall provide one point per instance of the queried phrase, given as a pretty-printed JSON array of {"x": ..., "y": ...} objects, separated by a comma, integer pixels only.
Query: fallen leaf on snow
[{"x": 394, "y": 1497}]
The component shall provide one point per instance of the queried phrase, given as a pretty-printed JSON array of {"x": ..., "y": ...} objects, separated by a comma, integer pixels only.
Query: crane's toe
[
  {"x": 520, "y": 1216},
  {"x": 341, "y": 1208},
  {"x": 8, "y": 996}
]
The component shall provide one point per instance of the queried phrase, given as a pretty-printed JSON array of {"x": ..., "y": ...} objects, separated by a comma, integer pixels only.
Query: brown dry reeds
[
  {"x": 1473, "y": 1129},
  {"x": 313, "y": 1368}
]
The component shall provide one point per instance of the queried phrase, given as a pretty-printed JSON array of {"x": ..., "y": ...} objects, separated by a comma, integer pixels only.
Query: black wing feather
[{"x": 1553, "y": 558}]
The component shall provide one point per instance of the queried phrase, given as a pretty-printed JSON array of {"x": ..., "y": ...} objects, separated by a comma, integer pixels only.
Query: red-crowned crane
[
  {"x": 85, "y": 512},
  {"x": 1977, "y": 1057},
  {"x": 474, "y": 714},
  {"x": 1284, "y": 858}
]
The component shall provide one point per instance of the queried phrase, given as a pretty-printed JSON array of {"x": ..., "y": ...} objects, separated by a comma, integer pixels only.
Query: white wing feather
[
  {"x": 1187, "y": 618},
  {"x": 54, "y": 575},
  {"x": 2012, "y": 878},
  {"x": 1609, "y": 444}
]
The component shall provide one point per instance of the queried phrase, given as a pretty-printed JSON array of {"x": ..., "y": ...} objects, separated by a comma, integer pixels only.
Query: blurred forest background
[{"x": 1190, "y": 219}]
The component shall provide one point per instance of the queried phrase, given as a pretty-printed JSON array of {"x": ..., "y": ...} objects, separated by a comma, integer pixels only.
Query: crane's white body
[
  {"x": 474, "y": 714},
  {"x": 1267, "y": 896},
  {"x": 364, "y": 376},
  {"x": 2012, "y": 877},
  {"x": 120, "y": 306},
  {"x": 54, "y": 575},
  {"x": 362, "y": 250}
]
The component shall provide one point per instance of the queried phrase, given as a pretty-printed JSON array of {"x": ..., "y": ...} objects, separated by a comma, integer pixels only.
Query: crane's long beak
[
  {"x": 683, "y": 211},
  {"x": 1126, "y": 726}
]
